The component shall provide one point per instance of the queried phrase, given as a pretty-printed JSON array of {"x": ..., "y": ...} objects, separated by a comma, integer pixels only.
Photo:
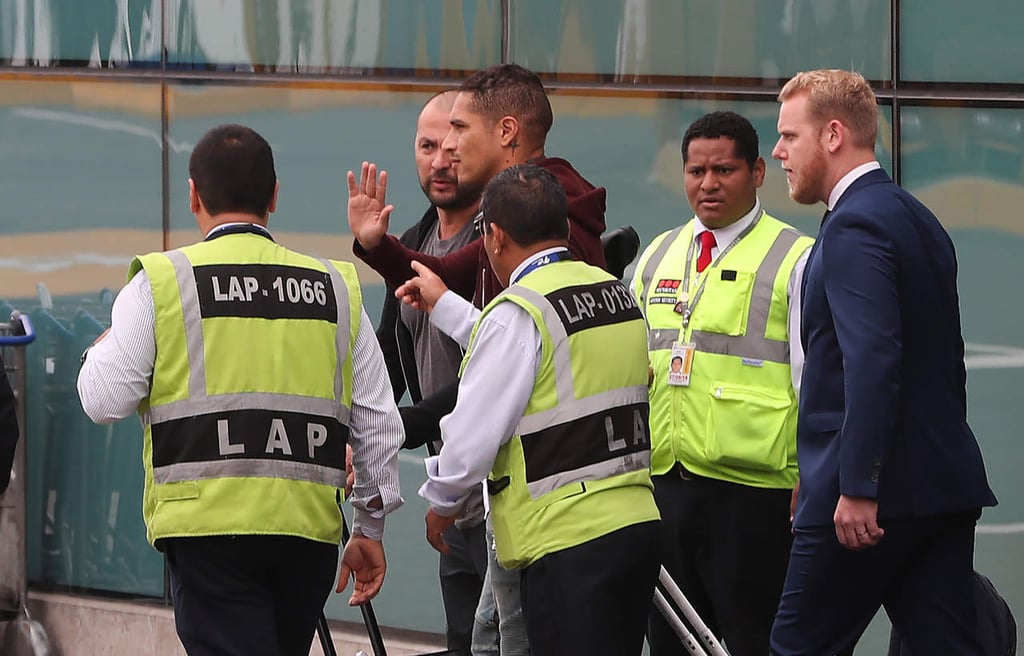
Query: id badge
[{"x": 680, "y": 363}]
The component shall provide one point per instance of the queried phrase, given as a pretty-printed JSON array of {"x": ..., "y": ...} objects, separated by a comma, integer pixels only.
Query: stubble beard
[
  {"x": 456, "y": 198},
  {"x": 807, "y": 187}
]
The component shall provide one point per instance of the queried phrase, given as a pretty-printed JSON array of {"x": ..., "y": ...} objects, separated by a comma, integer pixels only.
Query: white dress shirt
[
  {"x": 490, "y": 404},
  {"x": 117, "y": 373}
]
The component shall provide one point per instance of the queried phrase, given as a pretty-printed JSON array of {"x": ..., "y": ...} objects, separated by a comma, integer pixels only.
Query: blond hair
[{"x": 842, "y": 95}]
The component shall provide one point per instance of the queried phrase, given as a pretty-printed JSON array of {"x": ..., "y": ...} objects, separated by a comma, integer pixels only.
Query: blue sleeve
[{"x": 861, "y": 282}]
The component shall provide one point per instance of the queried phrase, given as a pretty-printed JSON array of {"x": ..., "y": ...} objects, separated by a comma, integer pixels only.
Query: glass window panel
[
  {"x": 953, "y": 41},
  {"x": 632, "y": 147},
  {"x": 321, "y": 35},
  {"x": 317, "y": 135},
  {"x": 629, "y": 39},
  {"x": 99, "y": 33},
  {"x": 80, "y": 172},
  {"x": 967, "y": 165}
]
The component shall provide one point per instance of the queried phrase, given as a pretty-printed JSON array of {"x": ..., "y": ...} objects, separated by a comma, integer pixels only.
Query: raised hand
[{"x": 367, "y": 212}]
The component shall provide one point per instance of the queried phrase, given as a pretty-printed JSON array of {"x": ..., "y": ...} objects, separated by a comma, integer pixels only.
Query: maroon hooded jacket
[{"x": 467, "y": 272}]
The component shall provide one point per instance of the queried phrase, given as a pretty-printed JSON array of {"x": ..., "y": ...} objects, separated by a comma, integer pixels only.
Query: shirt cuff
[
  {"x": 441, "y": 502},
  {"x": 366, "y": 525}
]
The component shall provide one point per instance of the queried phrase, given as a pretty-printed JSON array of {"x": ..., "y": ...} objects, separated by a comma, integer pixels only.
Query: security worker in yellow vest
[
  {"x": 721, "y": 298},
  {"x": 251, "y": 366},
  {"x": 552, "y": 409}
]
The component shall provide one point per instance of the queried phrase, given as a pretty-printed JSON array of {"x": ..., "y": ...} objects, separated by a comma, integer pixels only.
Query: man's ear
[
  {"x": 499, "y": 238},
  {"x": 194, "y": 202},
  {"x": 759, "y": 171},
  {"x": 834, "y": 135},
  {"x": 273, "y": 199},
  {"x": 508, "y": 130}
]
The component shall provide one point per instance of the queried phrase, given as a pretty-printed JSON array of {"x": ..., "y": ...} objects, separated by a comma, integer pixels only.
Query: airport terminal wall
[{"x": 101, "y": 103}]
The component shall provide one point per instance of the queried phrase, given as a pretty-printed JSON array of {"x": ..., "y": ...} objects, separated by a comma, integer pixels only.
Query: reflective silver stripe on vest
[
  {"x": 562, "y": 361},
  {"x": 659, "y": 339},
  {"x": 629, "y": 463},
  {"x": 753, "y": 344},
  {"x": 344, "y": 320},
  {"x": 574, "y": 409},
  {"x": 193, "y": 323},
  {"x": 249, "y": 467},
  {"x": 652, "y": 264},
  {"x": 249, "y": 401}
]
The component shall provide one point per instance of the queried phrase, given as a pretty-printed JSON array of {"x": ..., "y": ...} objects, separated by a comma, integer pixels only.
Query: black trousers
[
  {"x": 727, "y": 547},
  {"x": 248, "y": 595},
  {"x": 922, "y": 572},
  {"x": 593, "y": 599},
  {"x": 461, "y": 573}
]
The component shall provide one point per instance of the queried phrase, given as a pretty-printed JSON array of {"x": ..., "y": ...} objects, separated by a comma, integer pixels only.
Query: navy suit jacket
[{"x": 883, "y": 401}]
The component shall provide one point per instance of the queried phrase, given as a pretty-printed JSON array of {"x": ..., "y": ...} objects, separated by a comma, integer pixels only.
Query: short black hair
[
  {"x": 528, "y": 203},
  {"x": 511, "y": 90},
  {"x": 725, "y": 124},
  {"x": 677, "y": 357},
  {"x": 232, "y": 167}
]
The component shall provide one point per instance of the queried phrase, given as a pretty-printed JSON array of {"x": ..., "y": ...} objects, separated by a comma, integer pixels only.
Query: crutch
[
  {"x": 704, "y": 638},
  {"x": 369, "y": 618}
]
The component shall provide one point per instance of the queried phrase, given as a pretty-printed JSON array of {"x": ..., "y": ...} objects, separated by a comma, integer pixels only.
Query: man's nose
[
  {"x": 777, "y": 150},
  {"x": 442, "y": 160},
  {"x": 449, "y": 143}
]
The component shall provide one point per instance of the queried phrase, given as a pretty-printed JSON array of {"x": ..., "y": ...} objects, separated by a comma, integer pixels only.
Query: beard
[
  {"x": 457, "y": 197},
  {"x": 808, "y": 187}
]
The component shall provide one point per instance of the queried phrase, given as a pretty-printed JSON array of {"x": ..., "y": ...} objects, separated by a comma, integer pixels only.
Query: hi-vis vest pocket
[
  {"x": 725, "y": 302},
  {"x": 178, "y": 491},
  {"x": 746, "y": 427}
]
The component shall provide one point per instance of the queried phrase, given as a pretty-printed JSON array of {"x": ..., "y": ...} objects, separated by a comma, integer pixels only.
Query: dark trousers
[
  {"x": 593, "y": 598},
  {"x": 461, "y": 572},
  {"x": 727, "y": 547},
  {"x": 922, "y": 572},
  {"x": 248, "y": 595}
]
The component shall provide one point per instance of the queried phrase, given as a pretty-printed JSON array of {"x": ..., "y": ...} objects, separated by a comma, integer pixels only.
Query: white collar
[
  {"x": 847, "y": 180},
  {"x": 223, "y": 226},
  {"x": 725, "y": 236}
]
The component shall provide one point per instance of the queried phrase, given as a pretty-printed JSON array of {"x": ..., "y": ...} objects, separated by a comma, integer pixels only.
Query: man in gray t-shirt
[
  {"x": 438, "y": 357},
  {"x": 423, "y": 360}
]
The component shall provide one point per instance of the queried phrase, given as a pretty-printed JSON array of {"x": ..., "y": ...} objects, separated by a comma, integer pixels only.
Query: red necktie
[{"x": 707, "y": 242}]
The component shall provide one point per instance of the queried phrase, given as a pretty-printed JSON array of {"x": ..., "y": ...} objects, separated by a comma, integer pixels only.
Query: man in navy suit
[{"x": 891, "y": 477}]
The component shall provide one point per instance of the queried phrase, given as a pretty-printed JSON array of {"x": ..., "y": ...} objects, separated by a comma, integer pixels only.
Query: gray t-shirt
[{"x": 438, "y": 357}]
